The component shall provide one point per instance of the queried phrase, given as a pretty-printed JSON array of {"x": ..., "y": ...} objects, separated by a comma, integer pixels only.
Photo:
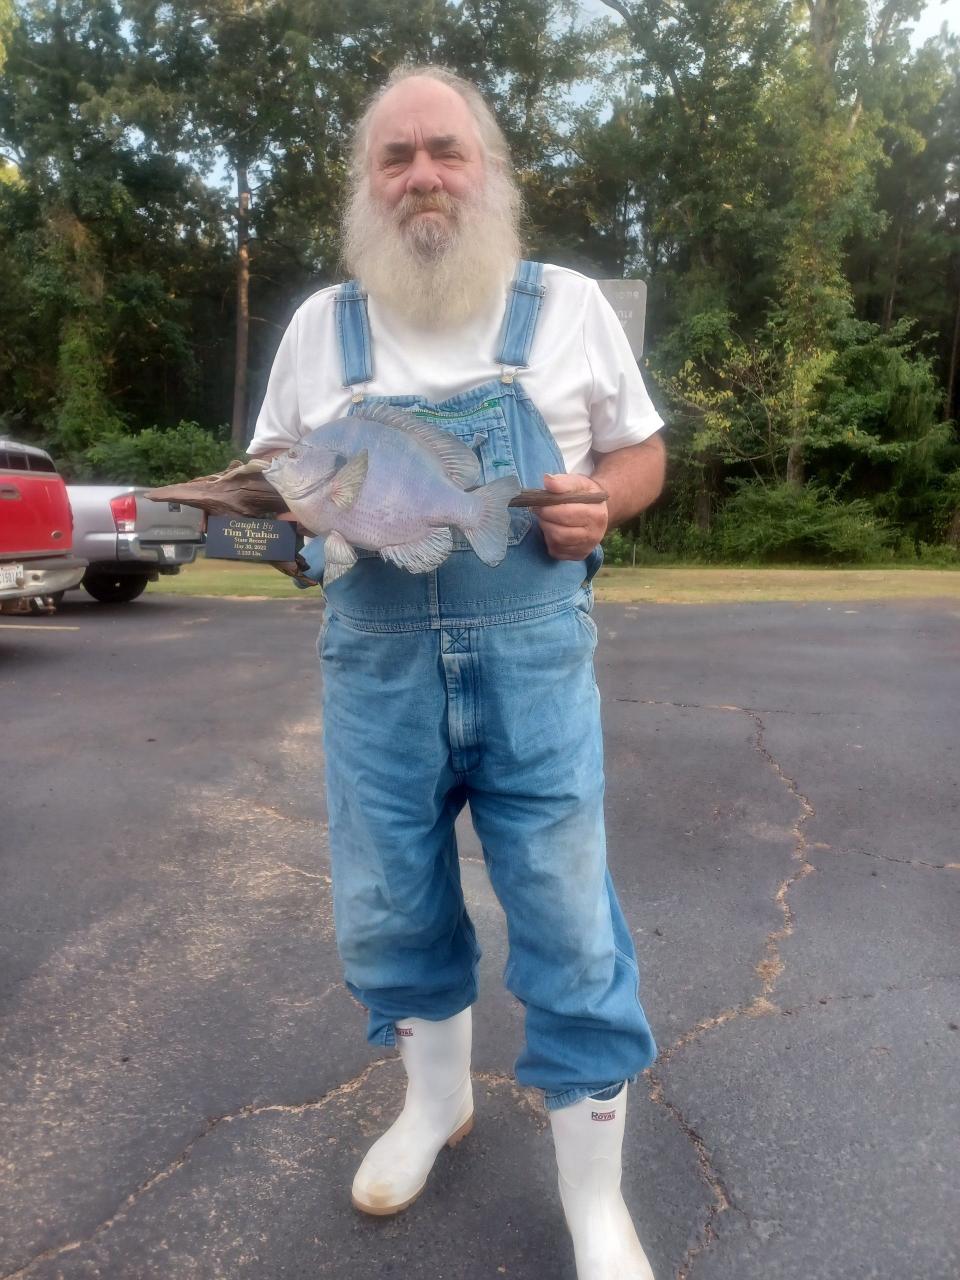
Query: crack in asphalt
[
  {"x": 722, "y": 1199},
  {"x": 279, "y": 867},
  {"x": 527, "y": 1098},
  {"x": 242, "y": 1113},
  {"x": 904, "y": 862},
  {"x": 771, "y": 966},
  {"x": 887, "y": 989},
  {"x": 251, "y": 810},
  {"x": 711, "y": 706},
  {"x": 768, "y": 970},
  {"x": 492, "y": 1079}
]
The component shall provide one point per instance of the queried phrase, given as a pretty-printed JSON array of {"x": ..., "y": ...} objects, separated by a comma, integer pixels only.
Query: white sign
[
  {"x": 11, "y": 575},
  {"x": 629, "y": 300}
]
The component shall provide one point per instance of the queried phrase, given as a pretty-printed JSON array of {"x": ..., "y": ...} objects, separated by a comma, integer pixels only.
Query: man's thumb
[{"x": 568, "y": 483}]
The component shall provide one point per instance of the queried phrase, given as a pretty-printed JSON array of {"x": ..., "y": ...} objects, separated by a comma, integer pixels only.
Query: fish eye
[{"x": 293, "y": 453}]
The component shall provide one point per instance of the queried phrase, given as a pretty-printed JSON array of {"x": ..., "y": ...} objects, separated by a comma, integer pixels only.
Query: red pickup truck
[{"x": 36, "y": 529}]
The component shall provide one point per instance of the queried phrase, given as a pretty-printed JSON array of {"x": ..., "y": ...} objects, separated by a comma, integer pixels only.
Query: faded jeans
[{"x": 505, "y": 716}]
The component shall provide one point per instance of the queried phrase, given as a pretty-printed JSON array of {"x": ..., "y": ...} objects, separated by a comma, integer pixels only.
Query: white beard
[{"x": 436, "y": 271}]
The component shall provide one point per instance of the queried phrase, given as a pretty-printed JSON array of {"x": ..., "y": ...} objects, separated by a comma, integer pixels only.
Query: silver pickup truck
[{"x": 128, "y": 539}]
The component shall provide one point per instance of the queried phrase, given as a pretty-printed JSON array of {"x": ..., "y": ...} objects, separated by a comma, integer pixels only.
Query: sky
[
  {"x": 934, "y": 15},
  {"x": 931, "y": 19}
]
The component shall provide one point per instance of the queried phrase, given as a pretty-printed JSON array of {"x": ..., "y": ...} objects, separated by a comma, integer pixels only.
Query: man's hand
[{"x": 573, "y": 530}]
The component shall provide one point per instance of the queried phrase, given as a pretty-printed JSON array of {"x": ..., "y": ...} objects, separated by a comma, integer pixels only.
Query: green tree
[{"x": 90, "y": 233}]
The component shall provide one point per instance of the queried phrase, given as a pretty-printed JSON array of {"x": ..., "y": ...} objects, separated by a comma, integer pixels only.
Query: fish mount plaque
[{"x": 250, "y": 538}]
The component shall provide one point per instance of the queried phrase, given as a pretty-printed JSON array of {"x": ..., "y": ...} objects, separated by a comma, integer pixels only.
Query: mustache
[{"x": 436, "y": 201}]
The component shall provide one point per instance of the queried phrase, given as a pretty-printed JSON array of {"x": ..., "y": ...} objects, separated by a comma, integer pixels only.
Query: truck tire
[{"x": 115, "y": 588}]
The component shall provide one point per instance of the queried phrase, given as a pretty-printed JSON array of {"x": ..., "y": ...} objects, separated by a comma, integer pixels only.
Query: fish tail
[{"x": 488, "y": 530}]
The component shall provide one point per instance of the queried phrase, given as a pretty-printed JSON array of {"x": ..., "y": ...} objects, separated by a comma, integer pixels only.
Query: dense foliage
[{"x": 785, "y": 179}]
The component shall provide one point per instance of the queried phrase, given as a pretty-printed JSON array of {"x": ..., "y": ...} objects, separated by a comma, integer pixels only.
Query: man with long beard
[{"x": 471, "y": 683}]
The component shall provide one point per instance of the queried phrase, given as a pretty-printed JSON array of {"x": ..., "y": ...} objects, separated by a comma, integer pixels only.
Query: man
[{"x": 471, "y": 683}]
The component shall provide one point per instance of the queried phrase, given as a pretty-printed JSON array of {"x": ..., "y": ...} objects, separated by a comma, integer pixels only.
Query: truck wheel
[{"x": 115, "y": 588}]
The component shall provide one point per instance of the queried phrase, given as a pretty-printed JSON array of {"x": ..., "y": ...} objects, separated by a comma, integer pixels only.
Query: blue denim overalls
[{"x": 476, "y": 684}]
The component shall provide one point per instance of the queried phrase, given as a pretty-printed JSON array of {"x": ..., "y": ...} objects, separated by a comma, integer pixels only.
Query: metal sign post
[{"x": 629, "y": 300}]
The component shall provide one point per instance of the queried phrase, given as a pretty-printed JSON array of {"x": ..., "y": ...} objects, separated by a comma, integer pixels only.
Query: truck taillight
[{"x": 124, "y": 508}]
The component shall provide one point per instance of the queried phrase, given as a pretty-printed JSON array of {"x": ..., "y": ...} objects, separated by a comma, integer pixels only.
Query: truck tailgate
[
  {"x": 115, "y": 525},
  {"x": 35, "y": 518},
  {"x": 167, "y": 521}
]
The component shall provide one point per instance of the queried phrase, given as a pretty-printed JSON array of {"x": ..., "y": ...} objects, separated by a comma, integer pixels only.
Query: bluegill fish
[{"x": 389, "y": 482}]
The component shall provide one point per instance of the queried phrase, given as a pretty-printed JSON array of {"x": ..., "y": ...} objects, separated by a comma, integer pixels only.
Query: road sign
[{"x": 629, "y": 300}]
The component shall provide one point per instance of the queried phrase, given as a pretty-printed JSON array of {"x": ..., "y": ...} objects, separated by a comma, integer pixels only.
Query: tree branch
[{"x": 656, "y": 57}]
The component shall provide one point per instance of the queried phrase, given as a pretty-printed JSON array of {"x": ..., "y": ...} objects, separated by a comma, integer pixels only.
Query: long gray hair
[
  {"x": 474, "y": 265},
  {"x": 492, "y": 138}
]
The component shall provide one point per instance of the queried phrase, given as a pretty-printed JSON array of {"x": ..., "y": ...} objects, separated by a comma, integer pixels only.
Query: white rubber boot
[
  {"x": 438, "y": 1110},
  {"x": 589, "y": 1138}
]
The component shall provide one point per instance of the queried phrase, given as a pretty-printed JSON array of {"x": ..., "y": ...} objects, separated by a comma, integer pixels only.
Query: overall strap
[
  {"x": 353, "y": 335},
  {"x": 520, "y": 318}
]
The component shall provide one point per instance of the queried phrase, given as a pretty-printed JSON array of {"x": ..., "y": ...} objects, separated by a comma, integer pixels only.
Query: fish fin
[
  {"x": 338, "y": 556},
  {"x": 424, "y": 554},
  {"x": 344, "y": 487},
  {"x": 458, "y": 460},
  {"x": 488, "y": 530}
]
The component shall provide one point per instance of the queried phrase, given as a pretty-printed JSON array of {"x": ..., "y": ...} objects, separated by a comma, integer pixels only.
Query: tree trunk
[
  {"x": 238, "y": 432},
  {"x": 951, "y": 400},
  {"x": 795, "y": 466},
  {"x": 710, "y": 477},
  {"x": 824, "y": 28},
  {"x": 624, "y": 229},
  {"x": 887, "y": 320}
]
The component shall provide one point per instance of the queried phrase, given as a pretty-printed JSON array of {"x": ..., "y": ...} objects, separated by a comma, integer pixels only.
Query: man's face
[{"x": 425, "y": 158}]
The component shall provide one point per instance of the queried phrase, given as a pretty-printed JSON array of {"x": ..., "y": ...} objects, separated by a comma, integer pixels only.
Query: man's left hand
[{"x": 572, "y": 531}]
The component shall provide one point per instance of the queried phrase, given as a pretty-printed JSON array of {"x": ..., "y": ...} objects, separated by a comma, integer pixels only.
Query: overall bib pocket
[{"x": 485, "y": 432}]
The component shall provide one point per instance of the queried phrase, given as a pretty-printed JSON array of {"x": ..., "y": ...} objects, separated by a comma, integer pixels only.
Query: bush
[
  {"x": 617, "y": 548},
  {"x": 155, "y": 456},
  {"x": 625, "y": 547},
  {"x": 940, "y": 557},
  {"x": 789, "y": 523}
]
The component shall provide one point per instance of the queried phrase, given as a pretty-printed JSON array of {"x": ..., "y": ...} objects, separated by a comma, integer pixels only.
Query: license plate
[
  {"x": 11, "y": 575},
  {"x": 169, "y": 551}
]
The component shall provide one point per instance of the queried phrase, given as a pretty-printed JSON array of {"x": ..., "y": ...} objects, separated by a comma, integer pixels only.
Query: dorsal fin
[{"x": 458, "y": 460}]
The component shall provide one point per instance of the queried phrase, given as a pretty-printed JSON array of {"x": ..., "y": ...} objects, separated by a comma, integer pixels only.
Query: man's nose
[{"x": 423, "y": 175}]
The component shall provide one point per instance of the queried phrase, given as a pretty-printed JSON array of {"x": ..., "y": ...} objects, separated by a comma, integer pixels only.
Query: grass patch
[
  {"x": 231, "y": 578},
  {"x": 699, "y": 584},
  {"x": 686, "y": 584}
]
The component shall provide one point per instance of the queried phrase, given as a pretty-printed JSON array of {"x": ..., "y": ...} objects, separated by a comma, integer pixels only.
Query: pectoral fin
[
  {"x": 344, "y": 487},
  {"x": 338, "y": 555}
]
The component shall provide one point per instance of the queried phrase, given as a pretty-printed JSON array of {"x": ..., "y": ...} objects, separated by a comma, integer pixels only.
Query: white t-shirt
[{"x": 582, "y": 375}]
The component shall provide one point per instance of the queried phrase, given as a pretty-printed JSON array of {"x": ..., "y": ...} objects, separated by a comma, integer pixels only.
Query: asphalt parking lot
[{"x": 185, "y": 1089}]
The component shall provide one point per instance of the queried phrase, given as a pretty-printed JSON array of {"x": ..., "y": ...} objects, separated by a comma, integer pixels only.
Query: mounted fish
[
  {"x": 389, "y": 482},
  {"x": 382, "y": 481}
]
